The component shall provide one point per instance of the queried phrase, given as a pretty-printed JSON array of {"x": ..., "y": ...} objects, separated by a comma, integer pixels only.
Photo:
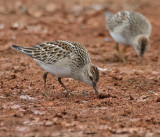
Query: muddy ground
[{"x": 130, "y": 92}]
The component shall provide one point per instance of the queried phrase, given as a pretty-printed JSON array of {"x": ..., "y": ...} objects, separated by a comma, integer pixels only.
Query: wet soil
[{"x": 129, "y": 101}]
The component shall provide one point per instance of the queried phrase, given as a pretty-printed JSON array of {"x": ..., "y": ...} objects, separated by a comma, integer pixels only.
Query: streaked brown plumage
[{"x": 64, "y": 59}]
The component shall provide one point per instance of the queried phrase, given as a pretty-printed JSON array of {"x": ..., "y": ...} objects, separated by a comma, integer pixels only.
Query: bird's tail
[
  {"x": 108, "y": 15},
  {"x": 25, "y": 50}
]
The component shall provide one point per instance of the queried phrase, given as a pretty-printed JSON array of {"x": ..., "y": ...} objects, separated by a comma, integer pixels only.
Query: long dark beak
[{"x": 95, "y": 88}]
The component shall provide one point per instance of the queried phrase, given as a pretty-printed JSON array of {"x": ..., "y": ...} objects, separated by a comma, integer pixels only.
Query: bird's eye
[{"x": 91, "y": 78}]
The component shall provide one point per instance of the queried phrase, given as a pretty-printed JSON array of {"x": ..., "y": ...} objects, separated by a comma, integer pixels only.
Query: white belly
[
  {"x": 57, "y": 70},
  {"x": 118, "y": 38}
]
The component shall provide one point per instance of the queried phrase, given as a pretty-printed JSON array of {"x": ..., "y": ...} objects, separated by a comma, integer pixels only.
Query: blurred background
[{"x": 34, "y": 21}]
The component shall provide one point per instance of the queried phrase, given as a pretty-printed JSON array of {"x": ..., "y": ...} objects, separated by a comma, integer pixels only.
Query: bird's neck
[{"x": 82, "y": 73}]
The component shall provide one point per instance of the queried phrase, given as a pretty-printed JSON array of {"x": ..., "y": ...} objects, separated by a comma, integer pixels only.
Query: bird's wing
[{"x": 51, "y": 52}]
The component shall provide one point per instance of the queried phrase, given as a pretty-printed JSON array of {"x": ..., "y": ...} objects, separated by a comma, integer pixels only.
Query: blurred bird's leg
[
  {"x": 125, "y": 49},
  {"x": 140, "y": 60},
  {"x": 44, "y": 79},
  {"x": 120, "y": 54}
]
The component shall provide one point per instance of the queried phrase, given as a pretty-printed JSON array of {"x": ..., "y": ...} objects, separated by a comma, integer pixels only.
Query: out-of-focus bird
[{"x": 129, "y": 28}]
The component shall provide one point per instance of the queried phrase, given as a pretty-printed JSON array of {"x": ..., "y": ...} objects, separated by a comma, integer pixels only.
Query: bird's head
[
  {"x": 91, "y": 76},
  {"x": 141, "y": 46}
]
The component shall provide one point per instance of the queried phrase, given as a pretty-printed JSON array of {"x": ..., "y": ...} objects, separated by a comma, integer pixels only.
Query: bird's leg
[
  {"x": 125, "y": 49},
  {"x": 120, "y": 54},
  {"x": 140, "y": 60},
  {"x": 60, "y": 81},
  {"x": 44, "y": 78}
]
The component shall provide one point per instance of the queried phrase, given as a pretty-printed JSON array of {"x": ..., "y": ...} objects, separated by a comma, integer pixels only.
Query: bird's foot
[
  {"x": 68, "y": 93},
  {"x": 46, "y": 94},
  {"x": 124, "y": 60}
]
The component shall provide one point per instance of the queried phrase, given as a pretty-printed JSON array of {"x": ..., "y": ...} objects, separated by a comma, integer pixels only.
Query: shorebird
[
  {"x": 129, "y": 28},
  {"x": 64, "y": 59}
]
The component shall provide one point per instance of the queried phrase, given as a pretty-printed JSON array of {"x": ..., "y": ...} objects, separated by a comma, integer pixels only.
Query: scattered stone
[
  {"x": 1, "y": 26},
  {"x": 27, "y": 97},
  {"x": 104, "y": 69},
  {"x": 37, "y": 112},
  {"x": 15, "y": 25},
  {"x": 83, "y": 101},
  {"x": 48, "y": 123}
]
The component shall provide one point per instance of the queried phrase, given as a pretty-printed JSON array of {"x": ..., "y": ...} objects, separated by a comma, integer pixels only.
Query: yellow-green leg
[
  {"x": 125, "y": 49},
  {"x": 120, "y": 54},
  {"x": 140, "y": 60},
  {"x": 44, "y": 79},
  {"x": 60, "y": 81}
]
